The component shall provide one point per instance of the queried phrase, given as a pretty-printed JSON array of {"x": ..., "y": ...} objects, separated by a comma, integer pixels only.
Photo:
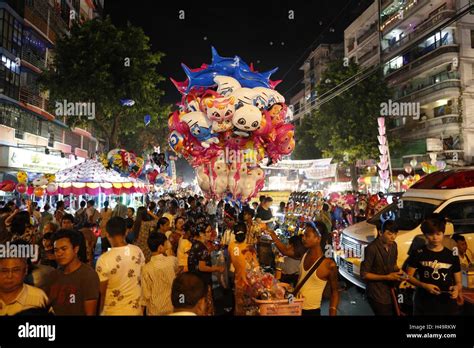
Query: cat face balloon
[{"x": 246, "y": 119}]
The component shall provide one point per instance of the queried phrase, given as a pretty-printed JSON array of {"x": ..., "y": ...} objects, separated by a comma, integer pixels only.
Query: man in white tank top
[{"x": 313, "y": 288}]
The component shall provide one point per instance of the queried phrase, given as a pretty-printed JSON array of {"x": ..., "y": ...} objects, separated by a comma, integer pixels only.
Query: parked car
[{"x": 449, "y": 192}]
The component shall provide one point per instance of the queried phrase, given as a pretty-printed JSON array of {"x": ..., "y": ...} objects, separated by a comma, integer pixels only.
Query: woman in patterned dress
[
  {"x": 199, "y": 260},
  {"x": 144, "y": 224}
]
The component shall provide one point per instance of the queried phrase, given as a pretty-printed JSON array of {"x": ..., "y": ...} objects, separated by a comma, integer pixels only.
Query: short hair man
[
  {"x": 158, "y": 275},
  {"x": 379, "y": 269},
  {"x": 74, "y": 288},
  {"x": 119, "y": 272},
  {"x": 92, "y": 213},
  {"x": 465, "y": 255},
  {"x": 67, "y": 222},
  {"x": 188, "y": 295},
  {"x": 15, "y": 295},
  {"x": 439, "y": 284}
]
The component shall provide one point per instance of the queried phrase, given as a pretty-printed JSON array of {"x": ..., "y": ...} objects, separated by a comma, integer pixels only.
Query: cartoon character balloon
[
  {"x": 229, "y": 120},
  {"x": 22, "y": 177}
]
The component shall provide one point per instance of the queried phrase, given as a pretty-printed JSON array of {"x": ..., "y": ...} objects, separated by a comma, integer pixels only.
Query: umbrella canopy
[{"x": 91, "y": 177}]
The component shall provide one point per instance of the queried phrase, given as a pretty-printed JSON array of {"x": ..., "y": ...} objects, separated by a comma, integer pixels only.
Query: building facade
[
  {"x": 427, "y": 57},
  {"x": 361, "y": 38},
  {"x": 29, "y": 30},
  {"x": 313, "y": 68}
]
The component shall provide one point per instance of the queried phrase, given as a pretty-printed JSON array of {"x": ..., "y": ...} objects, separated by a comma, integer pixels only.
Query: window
[
  {"x": 34, "y": 49},
  {"x": 85, "y": 143},
  {"x": 73, "y": 139},
  {"x": 472, "y": 38},
  {"x": 14, "y": 117},
  {"x": 461, "y": 215},
  {"x": 408, "y": 217},
  {"x": 9, "y": 78},
  {"x": 10, "y": 33}
]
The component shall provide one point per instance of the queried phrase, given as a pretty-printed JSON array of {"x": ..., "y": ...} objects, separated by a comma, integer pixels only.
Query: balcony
[
  {"x": 428, "y": 85},
  {"x": 366, "y": 56},
  {"x": 433, "y": 127},
  {"x": 366, "y": 35},
  {"x": 397, "y": 17},
  {"x": 32, "y": 97},
  {"x": 28, "y": 55},
  {"x": 39, "y": 11},
  {"x": 420, "y": 58},
  {"x": 350, "y": 47},
  {"x": 419, "y": 30}
]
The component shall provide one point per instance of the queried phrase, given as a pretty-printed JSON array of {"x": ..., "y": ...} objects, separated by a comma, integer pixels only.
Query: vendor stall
[{"x": 92, "y": 178}]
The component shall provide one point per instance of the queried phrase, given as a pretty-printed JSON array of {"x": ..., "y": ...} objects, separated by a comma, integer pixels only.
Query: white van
[{"x": 450, "y": 193}]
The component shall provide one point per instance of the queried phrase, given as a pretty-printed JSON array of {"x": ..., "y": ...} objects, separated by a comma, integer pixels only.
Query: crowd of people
[
  {"x": 168, "y": 257},
  {"x": 126, "y": 261}
]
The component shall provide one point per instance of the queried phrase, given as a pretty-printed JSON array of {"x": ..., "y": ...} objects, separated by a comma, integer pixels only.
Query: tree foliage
[
  {"x": 103, "y": 64},
  {"x": 305, "y": 141},
  {"x": 345, "y": 127}
]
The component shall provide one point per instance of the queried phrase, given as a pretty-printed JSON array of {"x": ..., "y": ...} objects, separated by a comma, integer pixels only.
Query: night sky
[{"x": 257, "y": 31}]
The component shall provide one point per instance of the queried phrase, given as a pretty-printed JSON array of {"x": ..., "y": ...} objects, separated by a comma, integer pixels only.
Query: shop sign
[{"x": 18, "y": 158}]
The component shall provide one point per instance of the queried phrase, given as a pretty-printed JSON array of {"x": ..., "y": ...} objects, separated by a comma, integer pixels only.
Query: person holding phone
[
  {"x": 379, "y": 269},
  {"x": 439, "y": 284}
]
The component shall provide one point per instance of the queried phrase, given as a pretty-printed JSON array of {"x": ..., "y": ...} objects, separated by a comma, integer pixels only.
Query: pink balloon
[{"x": 30, "y": 190}]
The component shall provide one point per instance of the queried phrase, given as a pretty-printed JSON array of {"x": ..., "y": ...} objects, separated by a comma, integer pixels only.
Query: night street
[{"x": 310, "y": 162}]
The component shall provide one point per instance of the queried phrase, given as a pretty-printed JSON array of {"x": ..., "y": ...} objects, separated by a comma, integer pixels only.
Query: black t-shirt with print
[{"x": 435, "y": 268}]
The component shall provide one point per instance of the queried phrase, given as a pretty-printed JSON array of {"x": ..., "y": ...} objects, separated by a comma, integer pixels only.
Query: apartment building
[
  {"x": 29, "y": 30},
  {"x": 428, "y": 58},
  {"x": 313, "y": 68}
]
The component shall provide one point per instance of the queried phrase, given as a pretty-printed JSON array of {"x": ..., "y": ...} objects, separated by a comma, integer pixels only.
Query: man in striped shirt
[{"x": 157, "y": 276}]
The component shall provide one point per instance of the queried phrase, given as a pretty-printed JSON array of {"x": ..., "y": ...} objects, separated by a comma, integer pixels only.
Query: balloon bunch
[
  {"x": 47, "y": 180},
  {"x": 38, "y": 187},
  {"x": 230, "y": 118},
  {"x": 263, "y": 286},
  {"x": 124, "y": 162},
  {"x": 156, "y": 172},
  {"x": 429, "y": 168}
]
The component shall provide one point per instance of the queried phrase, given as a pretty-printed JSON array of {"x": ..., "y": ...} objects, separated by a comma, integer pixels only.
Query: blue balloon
[
  {"x": 127, "y": 102},
  {"x": 233, "y": 67},
  {"x": 147, "y": 120}
]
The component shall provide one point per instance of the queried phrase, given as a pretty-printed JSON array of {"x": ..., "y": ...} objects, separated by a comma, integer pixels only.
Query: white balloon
[
  {"x": 244, "y": 96},
  {"x": 226, "y": 85},
  {"x": 51, "y": 188}
]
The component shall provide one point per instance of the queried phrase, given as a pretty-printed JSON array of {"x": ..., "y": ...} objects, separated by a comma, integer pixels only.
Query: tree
[
  {"x": 346, "y": 126},
  {"x": 102, "y": 64},
  {"x": 305, "y": 141}
]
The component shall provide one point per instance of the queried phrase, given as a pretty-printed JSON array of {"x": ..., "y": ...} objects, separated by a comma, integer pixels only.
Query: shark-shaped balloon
[{"x": 233, "y": 67}]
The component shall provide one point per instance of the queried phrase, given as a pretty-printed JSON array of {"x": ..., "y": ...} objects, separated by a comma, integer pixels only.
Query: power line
[
  {"x": 462, "y": 12},
  {"x": 304, "y": 54}
]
